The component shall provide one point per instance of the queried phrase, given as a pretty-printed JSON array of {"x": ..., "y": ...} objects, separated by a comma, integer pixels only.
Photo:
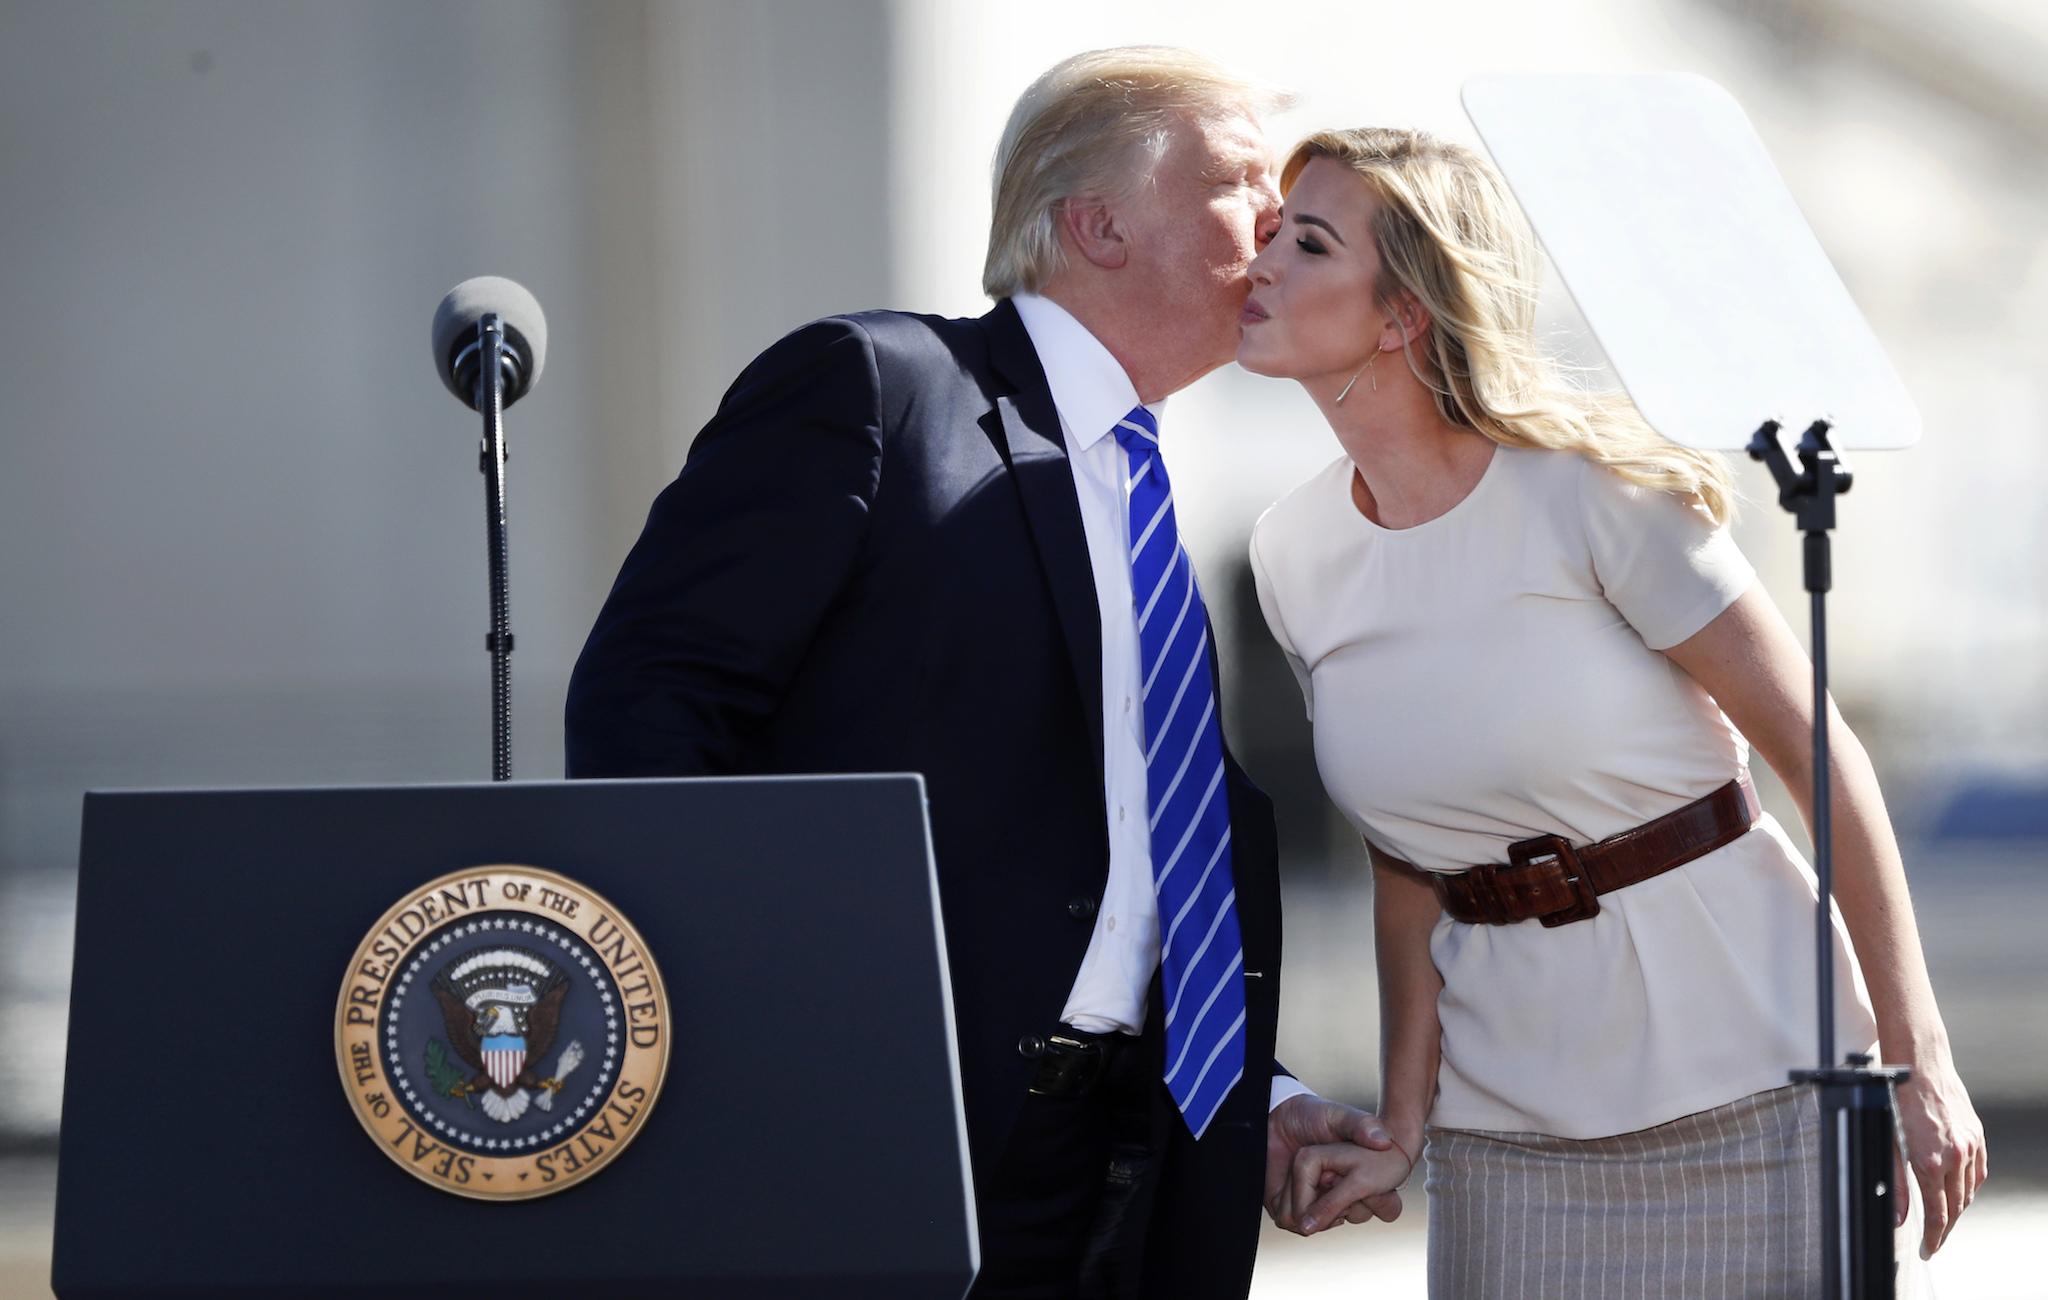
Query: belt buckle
[
  {"x": 1555, "y": 852},
  {"x": 1070, "y": 1066}
]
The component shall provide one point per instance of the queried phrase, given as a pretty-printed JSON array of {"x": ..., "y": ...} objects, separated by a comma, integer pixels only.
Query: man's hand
[{"x": 1308, "y": 1121}]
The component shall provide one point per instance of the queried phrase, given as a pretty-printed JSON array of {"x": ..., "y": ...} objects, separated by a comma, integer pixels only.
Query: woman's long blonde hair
[{"x": 1449, "y": 233}]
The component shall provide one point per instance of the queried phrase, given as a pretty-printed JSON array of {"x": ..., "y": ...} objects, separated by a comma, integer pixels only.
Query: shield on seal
[
  {"x": 503, "y": 1001},
  {"x": 504, "y": 1057}
]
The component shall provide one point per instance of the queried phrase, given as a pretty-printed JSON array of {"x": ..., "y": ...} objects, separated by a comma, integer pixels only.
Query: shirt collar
[{"x": 1089, "y": 388}]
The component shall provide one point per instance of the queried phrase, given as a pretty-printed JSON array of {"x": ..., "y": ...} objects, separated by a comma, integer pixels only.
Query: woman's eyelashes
[{"x": 1310, "y": 245}]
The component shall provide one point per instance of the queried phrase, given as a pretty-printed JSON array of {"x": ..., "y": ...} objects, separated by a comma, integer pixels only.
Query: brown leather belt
[{"x": 1548, "y": 879}]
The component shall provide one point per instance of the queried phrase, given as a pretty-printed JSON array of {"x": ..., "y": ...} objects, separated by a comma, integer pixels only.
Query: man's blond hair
[{"x": 1095, "y": 125}]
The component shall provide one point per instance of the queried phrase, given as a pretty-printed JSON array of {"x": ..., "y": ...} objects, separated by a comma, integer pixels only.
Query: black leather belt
[{"x": 1073, "y": 1062}]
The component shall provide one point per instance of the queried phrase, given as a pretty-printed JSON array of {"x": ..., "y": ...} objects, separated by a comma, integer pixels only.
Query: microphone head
[{"x": 455, "y": 326}]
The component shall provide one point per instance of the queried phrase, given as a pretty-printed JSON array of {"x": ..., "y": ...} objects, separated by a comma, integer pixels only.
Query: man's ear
[{"x": 1090, "y": 226}]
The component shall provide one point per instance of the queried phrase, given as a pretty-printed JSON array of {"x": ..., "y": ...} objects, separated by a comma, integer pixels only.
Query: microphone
[
  {"x": 492, "y": 316},
  {"x": 456, "y": 341}
]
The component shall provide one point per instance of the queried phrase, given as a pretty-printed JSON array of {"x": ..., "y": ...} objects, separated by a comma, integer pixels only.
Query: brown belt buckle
[{"x": 1555, "y": 852}]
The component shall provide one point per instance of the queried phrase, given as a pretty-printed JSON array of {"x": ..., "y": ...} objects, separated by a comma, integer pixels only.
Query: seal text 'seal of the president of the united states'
[{"x": 502, "y": 1032}]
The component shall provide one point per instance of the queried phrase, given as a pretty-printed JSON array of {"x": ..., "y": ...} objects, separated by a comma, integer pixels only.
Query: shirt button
[
  {"x": 1127, "y": 704},
  {"x": 1081, "y": 909},
  {"x": 1119, "y": 812},
  {"x": 1112, "y": 925}
]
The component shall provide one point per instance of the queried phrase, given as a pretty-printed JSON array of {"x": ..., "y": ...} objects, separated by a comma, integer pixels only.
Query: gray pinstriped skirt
[{"x": 1718, "y": 1204}]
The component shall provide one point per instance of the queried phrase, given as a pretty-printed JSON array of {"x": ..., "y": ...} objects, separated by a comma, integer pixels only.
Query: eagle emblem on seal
[{"x": 501, "y": 1008}]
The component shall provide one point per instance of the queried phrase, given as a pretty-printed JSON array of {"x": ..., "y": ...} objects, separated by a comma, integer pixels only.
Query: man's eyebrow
[
  {"x": 1234, "y": 163},
  {"x": 1304, "y": 219}
]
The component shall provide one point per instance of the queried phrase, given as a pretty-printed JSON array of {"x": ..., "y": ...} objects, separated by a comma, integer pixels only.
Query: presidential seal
[{"x": 502, "y": 1033}]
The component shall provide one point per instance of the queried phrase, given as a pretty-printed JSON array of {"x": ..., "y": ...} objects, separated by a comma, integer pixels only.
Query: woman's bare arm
[
  {"x": 1405, "y": 911},
  {"x": 1749, "y": 661},
  {"x": 1332, "y": 1183}
]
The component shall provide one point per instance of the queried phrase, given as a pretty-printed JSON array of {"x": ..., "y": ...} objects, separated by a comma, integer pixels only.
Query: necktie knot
[{"x": 1138, "y": 434}]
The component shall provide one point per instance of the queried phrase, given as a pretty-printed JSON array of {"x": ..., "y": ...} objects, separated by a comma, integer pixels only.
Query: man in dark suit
[{"x": 947, "y": 546}]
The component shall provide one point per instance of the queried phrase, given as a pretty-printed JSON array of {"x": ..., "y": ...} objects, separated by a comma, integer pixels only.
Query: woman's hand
[
  {"x": 1945, "y": 1145},
  {"x": 1331, "y": 1183},
  {"x": 1306, "y": 1120}
]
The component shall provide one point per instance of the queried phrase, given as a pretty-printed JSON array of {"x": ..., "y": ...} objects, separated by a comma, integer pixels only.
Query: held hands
[
  {"x": 1340, "y": 1183},
  {"x": 1328, "y": 1138},
  {"x": 1944, "y": 1143}
]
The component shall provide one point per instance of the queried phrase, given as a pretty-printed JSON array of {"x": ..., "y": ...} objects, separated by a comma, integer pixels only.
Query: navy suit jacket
[{"x": 873, "y": 560}]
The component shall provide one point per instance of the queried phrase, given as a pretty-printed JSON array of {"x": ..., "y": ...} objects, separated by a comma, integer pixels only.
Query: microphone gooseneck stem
[{"x": 490, "y": 379}]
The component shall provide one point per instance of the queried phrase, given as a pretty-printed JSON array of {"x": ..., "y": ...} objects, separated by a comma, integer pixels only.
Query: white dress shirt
[{"x": 1092, "y": 392}]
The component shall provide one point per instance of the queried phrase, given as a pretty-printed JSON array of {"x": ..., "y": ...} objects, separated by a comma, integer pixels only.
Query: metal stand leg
[{"x": 1856, "y": 1133}]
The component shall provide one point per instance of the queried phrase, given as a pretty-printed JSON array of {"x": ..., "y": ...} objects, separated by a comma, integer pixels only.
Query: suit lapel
[{"x": 1025, "y": 427}]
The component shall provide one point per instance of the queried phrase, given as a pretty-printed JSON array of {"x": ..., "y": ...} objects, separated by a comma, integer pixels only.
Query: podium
[{"x": 806, "y": 1137}]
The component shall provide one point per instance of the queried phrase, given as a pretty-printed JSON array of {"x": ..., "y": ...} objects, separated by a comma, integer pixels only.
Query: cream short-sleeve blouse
[{"x": 1493, "y": 674}]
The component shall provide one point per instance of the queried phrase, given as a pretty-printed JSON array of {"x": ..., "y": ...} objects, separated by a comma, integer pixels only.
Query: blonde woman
[{"x": 1535, "y": 663}]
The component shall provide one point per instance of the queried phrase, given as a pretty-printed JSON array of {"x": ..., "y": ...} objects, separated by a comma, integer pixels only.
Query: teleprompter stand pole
[
  {"x": 1856, "y": 1132},
  {"x": 490, "y": 393}
]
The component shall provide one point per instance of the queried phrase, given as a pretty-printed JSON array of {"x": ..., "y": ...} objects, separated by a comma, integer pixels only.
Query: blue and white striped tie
[{"x": 1201, "y": 952}]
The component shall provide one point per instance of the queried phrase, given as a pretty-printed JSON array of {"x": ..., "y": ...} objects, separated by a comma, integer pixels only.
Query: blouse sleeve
[
  {"x": 1269, "y": 605},
  {"x": 1660, "y": 559}
]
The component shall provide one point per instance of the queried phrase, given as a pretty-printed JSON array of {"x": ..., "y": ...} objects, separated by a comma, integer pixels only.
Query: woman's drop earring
[{"x": 1366, "y": 370}]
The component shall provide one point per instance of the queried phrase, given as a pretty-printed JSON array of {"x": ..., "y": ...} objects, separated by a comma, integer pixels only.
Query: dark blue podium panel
[{"x": 807, "y": 1141}]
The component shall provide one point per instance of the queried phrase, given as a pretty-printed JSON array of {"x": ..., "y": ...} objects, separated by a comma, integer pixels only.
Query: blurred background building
[{"x": 239, "y": 537}]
